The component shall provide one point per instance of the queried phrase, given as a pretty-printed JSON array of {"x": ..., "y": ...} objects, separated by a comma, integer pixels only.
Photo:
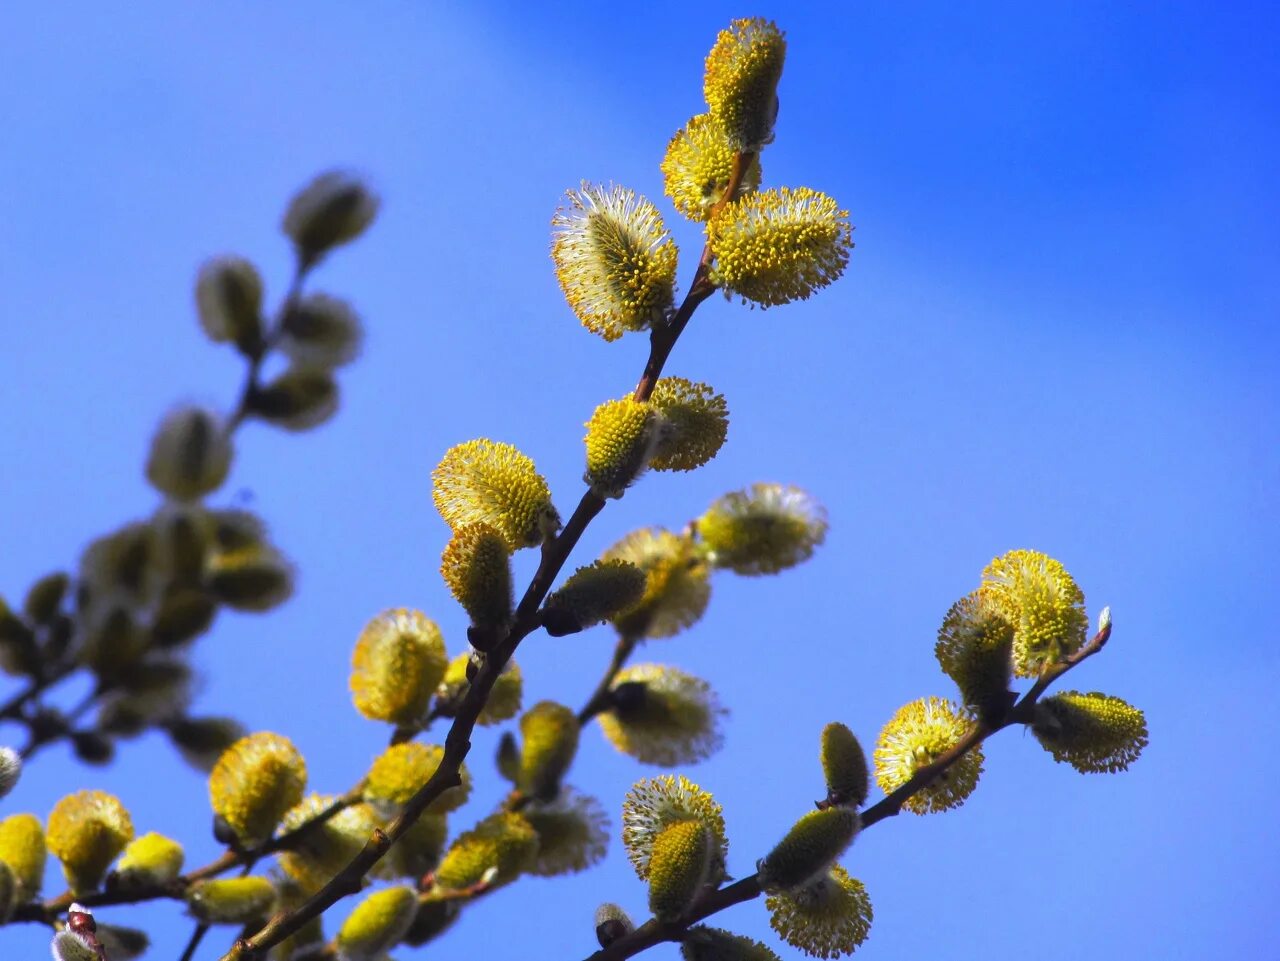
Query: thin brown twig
[{"x": 598, "y": 702}]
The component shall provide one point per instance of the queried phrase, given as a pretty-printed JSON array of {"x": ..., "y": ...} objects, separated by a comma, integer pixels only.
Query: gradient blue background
[{"x": 1057, "y": 331}]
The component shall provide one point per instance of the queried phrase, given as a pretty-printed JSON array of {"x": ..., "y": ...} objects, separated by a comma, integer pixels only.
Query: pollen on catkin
[
  {"x": 485, "y": 482},
  {"x": 254, "y": 783},
  {"x": 1092, "y": 732},
  {"x": 149, "y": 860},
  {"x": 504, "y": 697},
  {"x": 653, "y": 804},
  {"x": 844, "y": 765},
  {"x": 677, "y": 588},
  {"x": 779, "y": 246},
  {"x": 87, "y": 830},
  {"x": 697, "y": 167},
  {"x": 764, "y": 529},
  {"x": 23, "y": 849},
  {"x": 398, "y": 662},
  {"x": 621, "y": 437},
  {"x": 549, "y": 736},
  {"x": 916, "y": 736},
  {"x": 679, "y": 867},
  {"x": 190, "y": 454},
  {"x": 377, "y": 924},
  {"x": 573, "y": 833},
  {"x": 1043, "y": 603},
  {"x": 614, "y": 259},
  {"x": 975, "y": 646},
  {"x": 741, "y": 81},
  {"x": 826, "y": 919},
  {"x": 702, "y": 943},
  {"x": 593, "y": 594},
  {"x": 402, "y": 769},
  {"x": 696, "y": 424},
  {"x": 231, "y": 900},
  {"x": 661, "y": 715},
  {"x": 320, "y": 853},
  {"x": 477, "y": 568},
  {"x": 809, "y": 849},
  {"x": 504, "y": 841}
]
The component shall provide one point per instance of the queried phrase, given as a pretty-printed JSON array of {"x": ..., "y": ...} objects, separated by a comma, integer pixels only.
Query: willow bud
[
  {"x": 809, "y": 849},
  {"x": 190, "y": 454},
  {"x": 377, "y": 924},
  {"x": 229, "y": 302},
  {"x": 491, "y": 483},
  {"x": 87, "y": 831},
  {"x": 621, "y": 437},
  {"x": 398, "y": 662},
  {"x": 231, "y": 900},
  {"x": 333, "y": 209},
  {"x": 501, "y": 847},
  {"x": 844, "y": 765},
  {"x": 592, "y": 595},
  {"x": 549, "y": 732},
  {"x": 299, "y": 399},
  {"x": 612, "y": 923},
  {"x": 741, "y": 81},
  {"x": 254, "y": 783},
  {"x": 477, "y": 568},
  {"x": 152, "y": 859},
  {"x": 23, "y": 850}
]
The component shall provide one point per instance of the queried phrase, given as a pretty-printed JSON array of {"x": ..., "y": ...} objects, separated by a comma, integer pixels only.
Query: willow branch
[
  {"x": 47, "y": 911},
  {"x": 654, "y": 932},
  {"x": 458, "y": 741}
]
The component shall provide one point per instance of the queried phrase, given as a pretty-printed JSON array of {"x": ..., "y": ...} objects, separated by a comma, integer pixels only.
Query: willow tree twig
[
  {"x": 654, "y": 932},
  {"x": 45, "y": 912},
  {"x": 13, "y": 708},
  {"x": 526, "y": 620},
  {"x": 598, "y": 702}
]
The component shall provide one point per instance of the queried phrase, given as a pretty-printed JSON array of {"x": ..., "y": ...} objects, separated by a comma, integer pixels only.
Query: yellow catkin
[{"x": 614, "y": 259}]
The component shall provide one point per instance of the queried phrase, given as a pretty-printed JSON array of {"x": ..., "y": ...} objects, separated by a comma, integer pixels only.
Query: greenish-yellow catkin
[
  {"x": 679, "y": 867},
  {"x": 549, "y": 732},
  {"x": 844, "y": 765},
  {"x": 809, "y": 849}
]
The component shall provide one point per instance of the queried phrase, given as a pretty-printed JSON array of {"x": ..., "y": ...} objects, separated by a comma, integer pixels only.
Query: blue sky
[{"x": 1057, "y": 331}]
